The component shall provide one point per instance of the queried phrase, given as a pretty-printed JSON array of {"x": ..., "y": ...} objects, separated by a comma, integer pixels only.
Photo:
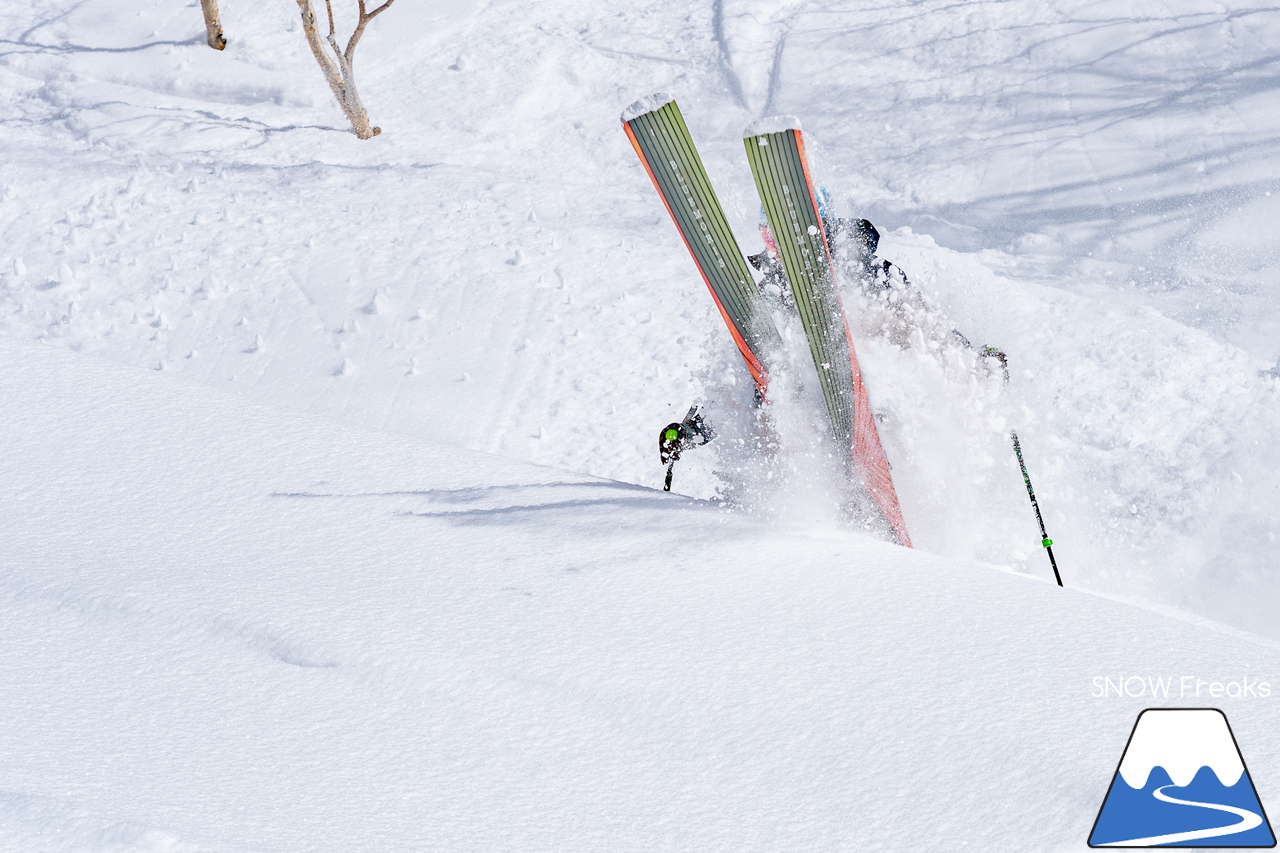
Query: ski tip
[
  {"x": 772, "y": 124},
  {"x": 656, "y": 101}
]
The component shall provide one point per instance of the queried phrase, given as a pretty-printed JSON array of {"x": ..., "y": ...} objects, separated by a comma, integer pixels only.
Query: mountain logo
[{"x": 1182, "y": 783}]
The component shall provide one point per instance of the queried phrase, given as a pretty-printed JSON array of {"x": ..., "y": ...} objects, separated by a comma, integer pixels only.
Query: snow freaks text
[{"x": 1180, "y": 687}]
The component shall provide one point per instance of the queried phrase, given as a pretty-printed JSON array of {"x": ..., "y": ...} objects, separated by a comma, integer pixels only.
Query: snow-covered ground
[
  {"x": 231, "y": 628},
  {"x": 305, "y": 568}
]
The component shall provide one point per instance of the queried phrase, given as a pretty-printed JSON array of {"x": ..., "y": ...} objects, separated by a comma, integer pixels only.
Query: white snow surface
[
  {"x": 771, "y": 124},
  {"x": 330, "y": 496},
  {"x": 228, "y": 627},
  {"x": 647, "y": 104}
]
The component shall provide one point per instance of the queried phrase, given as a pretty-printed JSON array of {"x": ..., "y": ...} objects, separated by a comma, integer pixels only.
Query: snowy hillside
[
  {"x": 227, "y": 628},
  {"x": 1083, "y": 191},
  {"x": 330, "y": 484}
]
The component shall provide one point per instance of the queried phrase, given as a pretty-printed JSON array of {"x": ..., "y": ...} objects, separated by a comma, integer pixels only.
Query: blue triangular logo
[{"x": 1182, "y": 783}]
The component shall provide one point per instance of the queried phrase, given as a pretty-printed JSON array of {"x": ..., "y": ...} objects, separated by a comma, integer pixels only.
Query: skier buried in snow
[{"x": 853, "y": 244}]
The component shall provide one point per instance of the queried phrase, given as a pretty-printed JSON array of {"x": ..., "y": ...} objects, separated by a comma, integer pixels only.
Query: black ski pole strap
[{"x": 998, "y": 355}]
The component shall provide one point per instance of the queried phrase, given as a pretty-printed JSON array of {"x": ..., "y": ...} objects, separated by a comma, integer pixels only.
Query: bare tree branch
[
  {"x": 365, "y": 18},
  {"x": 331, "y": 73}
]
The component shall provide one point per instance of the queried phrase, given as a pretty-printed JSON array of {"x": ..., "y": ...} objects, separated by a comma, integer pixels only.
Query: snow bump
[
  {"x": 772, "y": 124},
  {"x": 656, "y": 101}
]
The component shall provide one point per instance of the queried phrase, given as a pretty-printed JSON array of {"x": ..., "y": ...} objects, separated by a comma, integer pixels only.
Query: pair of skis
[{"x": 775, "y": 152}]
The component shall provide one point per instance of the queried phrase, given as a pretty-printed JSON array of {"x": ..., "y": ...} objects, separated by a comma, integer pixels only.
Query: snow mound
[
  {"x": 647, "y": 104},
  {"x": 772, "y": 124}
]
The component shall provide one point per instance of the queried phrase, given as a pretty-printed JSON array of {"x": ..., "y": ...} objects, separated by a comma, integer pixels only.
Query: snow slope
[
  {"x": 229, "y": 628},
  {"x": 264, "y": 590},
  {"x": 1080, "y": 188}
]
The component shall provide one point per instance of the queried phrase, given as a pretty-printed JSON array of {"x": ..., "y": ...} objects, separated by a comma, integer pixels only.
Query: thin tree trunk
[
  {"x": 331, "y": 74},
  {"x": 338, "y": 74},
  {"x": 213, "y": 24},
  {"x": 350, "y": 99}
]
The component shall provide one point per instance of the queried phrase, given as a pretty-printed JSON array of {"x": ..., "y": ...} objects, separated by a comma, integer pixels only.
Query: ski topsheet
[
  {"x": 661, "y": 139},
  {"x": 775, "y": 149}
]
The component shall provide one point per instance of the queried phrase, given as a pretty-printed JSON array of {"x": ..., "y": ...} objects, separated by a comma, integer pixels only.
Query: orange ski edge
[
  {"x": 869, "y": 450},
  {"x": 758, "y": 373}
]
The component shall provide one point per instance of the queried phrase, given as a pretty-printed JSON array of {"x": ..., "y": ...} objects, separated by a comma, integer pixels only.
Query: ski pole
[{"x": 1026, "y": 478}]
